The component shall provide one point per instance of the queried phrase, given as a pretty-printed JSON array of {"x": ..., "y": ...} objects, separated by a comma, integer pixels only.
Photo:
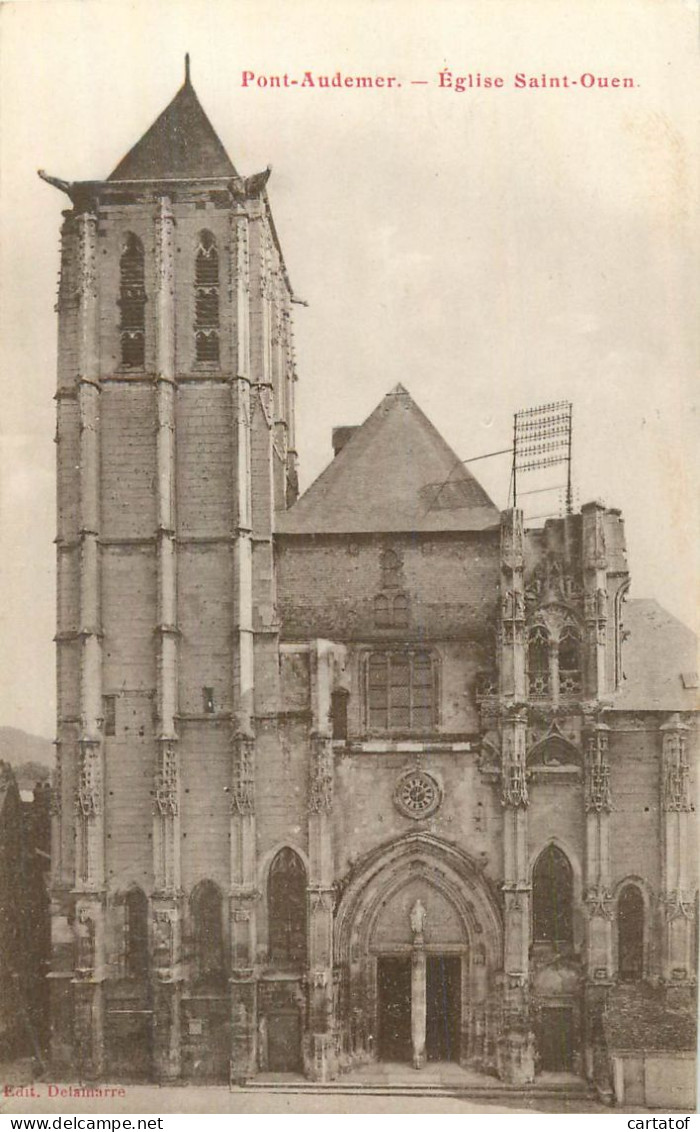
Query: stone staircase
[{"x": 434, "y": 1080}]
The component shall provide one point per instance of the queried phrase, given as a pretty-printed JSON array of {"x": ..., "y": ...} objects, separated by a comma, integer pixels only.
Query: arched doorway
[
  {"x": 556, "y": 974},
  {"x": 280, "y": 1014},
  {"x": 418, "y": 939}
]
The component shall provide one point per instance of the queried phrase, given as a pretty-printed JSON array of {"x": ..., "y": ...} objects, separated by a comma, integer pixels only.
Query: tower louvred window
[
  {"x": 206, "y": 302},
  {"x": 132, "y": 303}
]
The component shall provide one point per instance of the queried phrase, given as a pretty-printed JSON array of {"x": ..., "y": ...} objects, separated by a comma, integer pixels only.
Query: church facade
[{"x": 376, "y": 773}]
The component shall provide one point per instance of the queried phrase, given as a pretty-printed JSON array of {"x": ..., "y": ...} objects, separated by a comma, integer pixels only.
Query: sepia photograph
[{"x": 348, "y": 557}]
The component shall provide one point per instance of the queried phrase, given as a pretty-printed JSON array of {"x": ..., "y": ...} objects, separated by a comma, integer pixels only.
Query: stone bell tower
[{"x": 175, "y": 443}]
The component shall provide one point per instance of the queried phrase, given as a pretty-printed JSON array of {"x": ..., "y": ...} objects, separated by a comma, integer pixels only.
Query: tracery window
[
  {"x": 286, "y": 907},
  {"x": 630, "y": 933},
  {"x": 136, "y": 933},
  {"x": 132, "y": 303},
  {"x": 400, "y": 611},
  {"x": 569, "y": 662},
  {"x": 552, "y": 898},
  {"x": 401, "y": 691},
  {"x": 391, "y": 611},
  {"x": 206, "y": 299},
  {"x": 206, "y": 910},
  {"x": 538, "y": 662},
  {"x": 382, "y": 613},
  {"x": 390, "y": 566}
]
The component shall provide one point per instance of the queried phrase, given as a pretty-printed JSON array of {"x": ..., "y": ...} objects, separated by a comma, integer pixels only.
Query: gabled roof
[
  {"x": 395, "y": 473},
  {"x": 659, "y": 660},
  {"x": 181, "y": 143}
]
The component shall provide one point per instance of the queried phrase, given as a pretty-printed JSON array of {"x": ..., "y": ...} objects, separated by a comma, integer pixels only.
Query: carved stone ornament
[
  {"x": 166, "y": 800},
  {"x": 418, "y": 917},
  {"x": 417, "y": 794},
  {"x": 163, "y": 938},
  {"x": 512, "y": 632},
  {"x": 513, "y": 605},
  {"x": 599, "y": 903},
  {"x": 512, "y": 540},
  {"x": 514, "y": 784},
  {"x": 676, "y": 773},
  {"x": 513, "y": 746},
  {"x": 85, "y": 941},
  {"x": 243, "y": 790},
  {"x": 598, "y": 793},
  {"x": 321, "y": 900},
  {"x": 553, "y": 581},
  {"x": 321, "y": 777},
  {"x": 678, "y": 904},
  {"x": 89, "y": 794}
]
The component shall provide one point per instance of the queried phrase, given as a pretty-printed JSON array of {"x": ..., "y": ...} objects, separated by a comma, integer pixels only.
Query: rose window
[{"x": 417, "y": 794}]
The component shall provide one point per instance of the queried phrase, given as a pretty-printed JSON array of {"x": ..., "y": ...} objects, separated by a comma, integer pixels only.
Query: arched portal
[{"x": 418, "y": 939}]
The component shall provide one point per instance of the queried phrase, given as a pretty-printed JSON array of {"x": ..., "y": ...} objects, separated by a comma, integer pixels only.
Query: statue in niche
[{"x": 418, "y": 916}]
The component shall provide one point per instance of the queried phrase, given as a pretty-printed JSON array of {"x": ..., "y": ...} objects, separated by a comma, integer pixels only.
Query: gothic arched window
[
  {"x": 552, "y": 898},
  {"x": 569, "y": 662},
  {"x": 390, "y": 568},
  {"x": 401, "y": 691},
  {"x": 206, "y": 299},
  {"x": 538, "y": 662},
  {"x": 132, "y": 303},
  {"x": 630, "y": 933},
  {"x": 382, "y": 618},
  {"x": 400, "y": 618},
  {"x": 286, "y": 909},
  {"x": 206, "y": 910},
  {"x": 136, "y": 933}
]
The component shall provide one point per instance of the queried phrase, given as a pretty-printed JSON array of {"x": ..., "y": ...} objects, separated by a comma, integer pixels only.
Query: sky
[{"x": 492, "y": 248}]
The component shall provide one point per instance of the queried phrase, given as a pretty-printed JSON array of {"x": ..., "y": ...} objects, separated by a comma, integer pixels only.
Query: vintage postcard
[{"x": 347, "y": 716}]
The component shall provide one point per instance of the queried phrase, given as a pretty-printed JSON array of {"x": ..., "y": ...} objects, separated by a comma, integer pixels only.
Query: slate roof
[
  {"x": 395, "y": 473},
  {"x": 659, "y": 660},
  {"x": 181, "y": 143}
]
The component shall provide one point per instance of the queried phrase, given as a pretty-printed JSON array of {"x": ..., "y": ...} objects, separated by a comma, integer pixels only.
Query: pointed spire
[{"x": 181, "y": 144}]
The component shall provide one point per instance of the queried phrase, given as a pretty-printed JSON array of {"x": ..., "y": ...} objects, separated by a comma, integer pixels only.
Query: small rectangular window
[
  {"x": 208, "y": 697},
  {"x": 109, "y": 708}
]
